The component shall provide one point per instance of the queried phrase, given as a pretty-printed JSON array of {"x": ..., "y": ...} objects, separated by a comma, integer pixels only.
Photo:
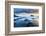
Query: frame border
[{"x": 7, "y": 17}]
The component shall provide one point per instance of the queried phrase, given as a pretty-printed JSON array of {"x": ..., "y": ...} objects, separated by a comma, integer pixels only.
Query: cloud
[{"x": 23, "y": 10}]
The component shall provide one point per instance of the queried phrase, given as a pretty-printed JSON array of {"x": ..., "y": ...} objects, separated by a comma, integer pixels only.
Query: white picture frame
[{"x": 26, "y": 28}]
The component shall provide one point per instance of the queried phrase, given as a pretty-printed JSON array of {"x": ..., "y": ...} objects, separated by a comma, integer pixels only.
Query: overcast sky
[{"x": 23, "y": 10}]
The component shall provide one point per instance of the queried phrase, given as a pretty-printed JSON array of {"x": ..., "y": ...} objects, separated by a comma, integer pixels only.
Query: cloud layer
[{"x": 23, "y": 10}]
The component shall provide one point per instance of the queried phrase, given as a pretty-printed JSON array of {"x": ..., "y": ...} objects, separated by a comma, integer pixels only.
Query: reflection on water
[{"x": 27, "y": 21}]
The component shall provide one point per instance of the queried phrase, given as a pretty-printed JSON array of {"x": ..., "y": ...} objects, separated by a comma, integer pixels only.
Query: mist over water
[{"x": 24, "y": 19}]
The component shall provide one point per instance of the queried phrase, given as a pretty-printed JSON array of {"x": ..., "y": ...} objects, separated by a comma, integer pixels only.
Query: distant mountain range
[{"x": 24, "y": 18}]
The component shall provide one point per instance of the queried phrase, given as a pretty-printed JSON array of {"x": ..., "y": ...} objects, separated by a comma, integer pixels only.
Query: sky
[{"x": 23, "y": 10}]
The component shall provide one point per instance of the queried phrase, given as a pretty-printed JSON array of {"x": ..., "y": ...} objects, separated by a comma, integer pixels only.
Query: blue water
[{"x": 24, "y": 21}]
